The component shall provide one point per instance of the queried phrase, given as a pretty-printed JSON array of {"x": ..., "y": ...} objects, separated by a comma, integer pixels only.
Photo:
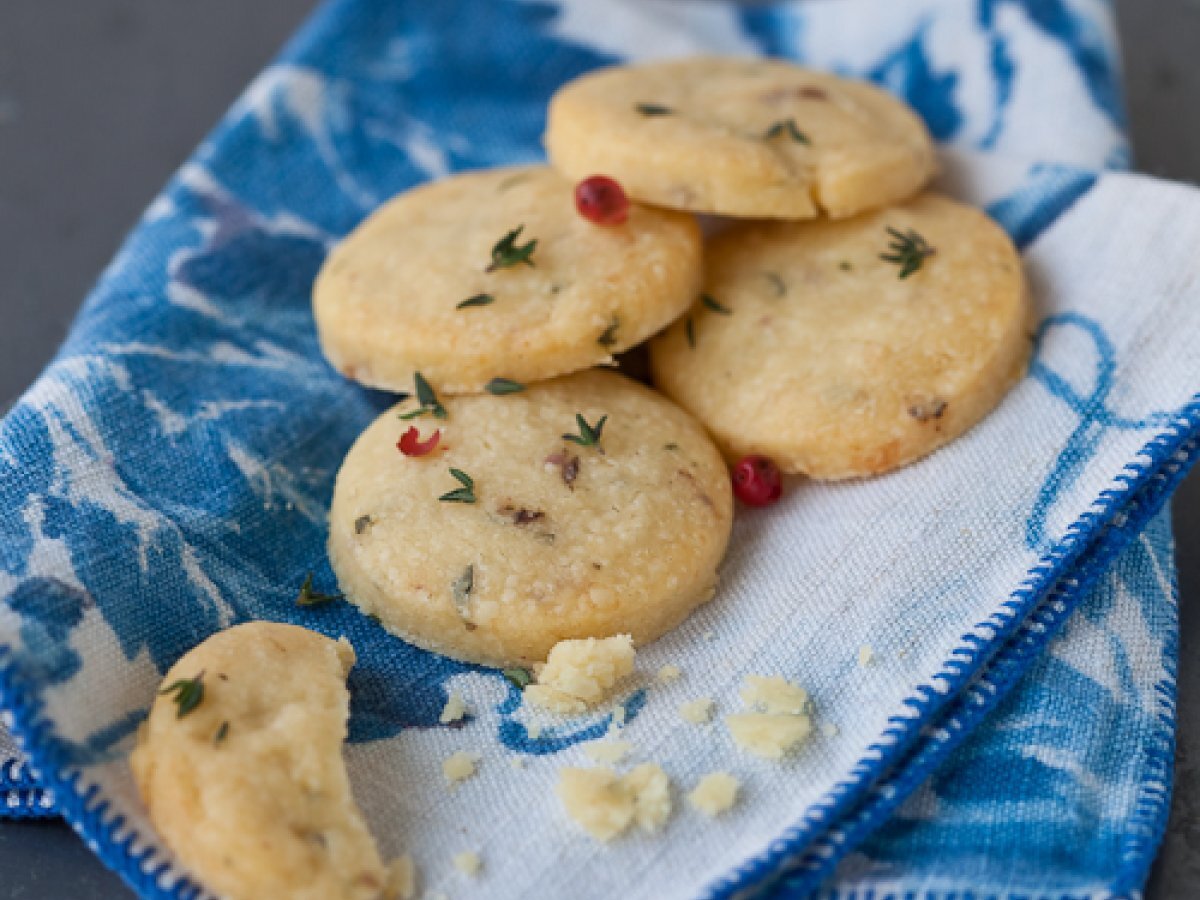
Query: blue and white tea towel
[{"x": 170, "y": 472}]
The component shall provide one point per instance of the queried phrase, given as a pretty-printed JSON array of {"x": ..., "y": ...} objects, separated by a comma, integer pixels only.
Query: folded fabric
[{"x": 170, "y": 472}]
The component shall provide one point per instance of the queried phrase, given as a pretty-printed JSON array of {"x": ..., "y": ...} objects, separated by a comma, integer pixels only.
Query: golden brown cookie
[
  {"x": 510, "y": 536},
  {"x": 240, "y": 765},
  {"x": 844, "y": 349},
  {"x": 740, "y": 137},
  {"x": 496, "y": 275}
]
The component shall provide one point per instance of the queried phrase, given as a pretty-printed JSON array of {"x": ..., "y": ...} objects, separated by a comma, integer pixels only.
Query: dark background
[{"x": 100, "y": 100}]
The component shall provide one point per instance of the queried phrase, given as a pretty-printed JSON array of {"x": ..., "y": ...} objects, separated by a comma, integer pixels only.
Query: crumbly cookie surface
[
  {"x": 561, "y": 540},
  {"x": 249, "y": 788},
  {"x": 409, "y": 290},
  {"x": 741, "y": 137},
  {"x": 829, "y": 362}
]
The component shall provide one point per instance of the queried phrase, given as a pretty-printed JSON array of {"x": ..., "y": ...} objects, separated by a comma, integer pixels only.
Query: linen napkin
[{"x": 169, "y": 475}]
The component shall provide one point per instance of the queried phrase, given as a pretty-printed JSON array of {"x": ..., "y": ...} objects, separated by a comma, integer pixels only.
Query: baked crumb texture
[
  {"x": 606, "y": 805},
  {"x": 581, "y": 674}
]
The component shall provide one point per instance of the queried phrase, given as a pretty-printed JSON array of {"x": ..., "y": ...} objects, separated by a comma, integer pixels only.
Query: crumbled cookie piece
[
  {"x": 579, "y": 674},
  {"x": 715, "y": 793}
]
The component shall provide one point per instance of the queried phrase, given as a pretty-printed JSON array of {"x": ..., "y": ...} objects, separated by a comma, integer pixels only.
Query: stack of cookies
[{"x": 518, "y": 495}]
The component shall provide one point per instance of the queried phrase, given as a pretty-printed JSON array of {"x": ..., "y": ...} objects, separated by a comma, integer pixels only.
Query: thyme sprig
[
  {"x": 909, "y": 250},
  {"x": 653, "y": 109},
  {"x": 518, "y": 678},
  {"x": 589, "y": 435},
  {"x": 464, "y": 494},
  {"x": 308, "y": 596},
  {"x": 711, "y": 302},
  {"x": 507, "y": 253},
  {"x": 189, "y": 692},
  {"x": 427, "y": 397},
  {"x": 477, "y": 300},
  {"x": 788, "y": 127},
  {"x": 502, "y": 386}
]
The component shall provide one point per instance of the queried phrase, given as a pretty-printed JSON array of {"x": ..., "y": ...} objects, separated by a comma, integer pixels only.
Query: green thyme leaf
[
  {"x": 464, "y": 494},
  {"x": 518, "y": 678},
  {"x": 506, "y": 253},
  {"x": 427, "y": 397},
  {"x": 310, "y": 597},
  {"x": 222, "y": 733},
  {"x": 189, "y": 692},
  {"x": 502, "y": 386},
  {"x": 461, "y": 591},
  {"x": 477, "y": 300},
  {"x": 908, "y": 251},
  {"x": 589, "y": 435},
  {"x": 845, "y": 266},
  {"x": 690, "y": 328},
  {"x": 653, "y": 109},
  {"x": 788, "y": 127},
  {"x": 608, "y": 337},
  {"x": 711, "y": 303}
]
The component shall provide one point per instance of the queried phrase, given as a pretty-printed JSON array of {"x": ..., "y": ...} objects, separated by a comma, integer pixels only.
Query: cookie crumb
[
  {"x": 773, "y": 694},
  {"x": 454, "y": 709},
  {"x": 866, "y": 656},
  {"x": 605, "y": 805},
  {"x": 401, "y": 879},
  {"x": 468, "y": 863},
  {"x": 459, "y": 766},
  {"x": 517, "y": 762},
  {"x": 698, "y": 711},
  {"x": 709, "y": 635},
  {"x": 769, "y": 735},
  {"x": 534, "y": 731},
  {"x": 580, "y": 674},
  {"x": 715, "y": 793},
  {"x": 669, "y": 673},
  {"x": 830, "y": 730},
  {"x": 607, "y": 751},
  {"x": 783, "y": 722}
]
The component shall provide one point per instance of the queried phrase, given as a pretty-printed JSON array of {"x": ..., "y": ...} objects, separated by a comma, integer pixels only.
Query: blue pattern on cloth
[{"x": 170, "y": 473}]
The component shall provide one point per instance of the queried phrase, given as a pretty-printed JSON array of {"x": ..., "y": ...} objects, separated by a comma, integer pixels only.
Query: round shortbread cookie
[
  {"x": 810, "y": 348},
  {"x": 409, "y": 290},
  {"x": 240, "y": 765},
  {"x": 562, "y": 540},
  {"x": 741, "y": 137}
]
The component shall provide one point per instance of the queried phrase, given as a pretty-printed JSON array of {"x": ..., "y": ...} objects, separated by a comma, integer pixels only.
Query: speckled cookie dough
[
  {"x": 496, "y": 275},
  {"x": 845, "y": 349},
  {"x": 595, "y": 507},
  {"x": 741, "y": 137}
]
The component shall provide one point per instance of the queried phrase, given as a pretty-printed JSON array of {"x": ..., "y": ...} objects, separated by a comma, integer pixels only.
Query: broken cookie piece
[
  {"x": 240, "y": 767},
  {"x": 580, "y": 674}
]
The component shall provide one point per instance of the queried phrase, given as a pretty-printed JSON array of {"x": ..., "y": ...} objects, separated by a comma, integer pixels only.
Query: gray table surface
[{"x": 99, "y": 102}]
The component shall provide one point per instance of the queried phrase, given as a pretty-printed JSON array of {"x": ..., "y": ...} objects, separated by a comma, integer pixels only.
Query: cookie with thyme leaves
[
  {"x": 582, "y": 506},
  {"x": 496, "y": 278},
  {"x": 750, "y": 138},
  {"x": 846, "y": 349},
  {"x": 240, "y": 767}
]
